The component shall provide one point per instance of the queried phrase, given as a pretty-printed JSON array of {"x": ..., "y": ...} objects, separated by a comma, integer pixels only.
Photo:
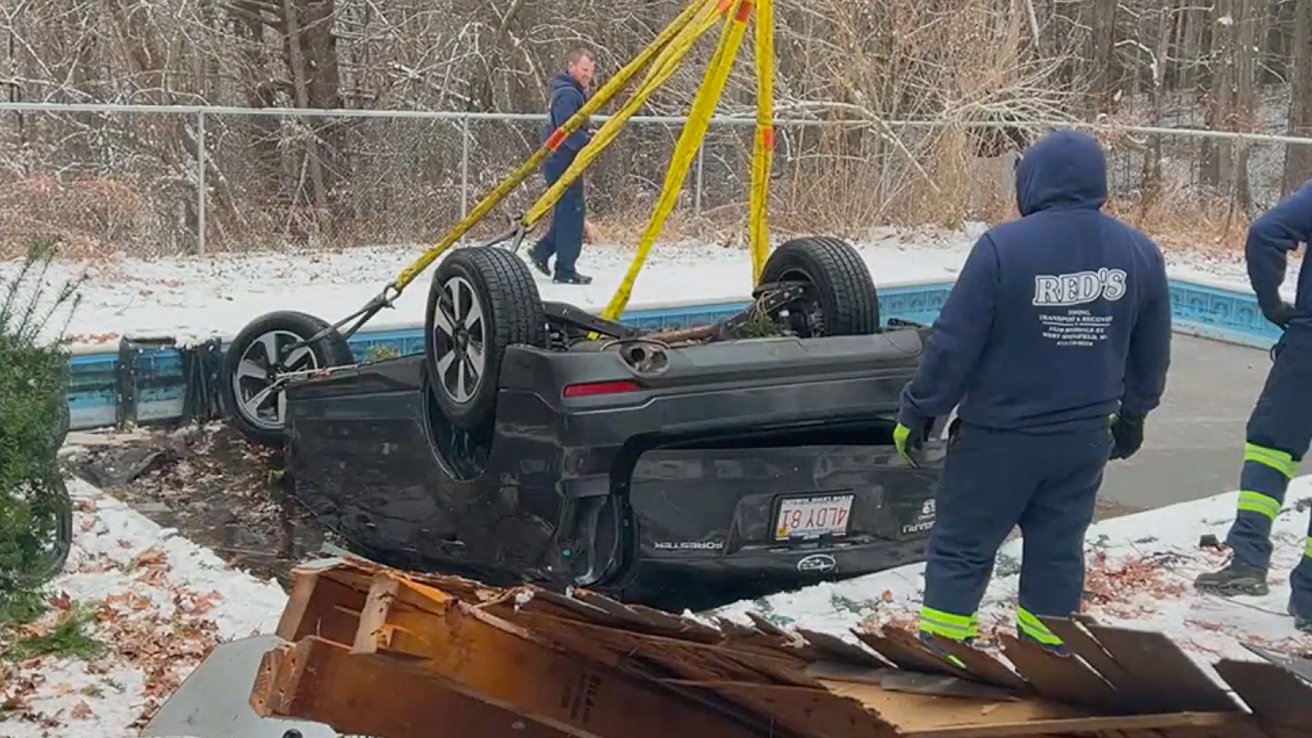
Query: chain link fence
[{"x": 151, "y": 182}]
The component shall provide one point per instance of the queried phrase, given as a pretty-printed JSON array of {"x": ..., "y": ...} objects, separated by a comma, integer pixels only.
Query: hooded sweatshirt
[
  {"x": 1270, "y": 239},
  {"x": 566, "y": 97},
  {"x": 1059, "y": 318}
]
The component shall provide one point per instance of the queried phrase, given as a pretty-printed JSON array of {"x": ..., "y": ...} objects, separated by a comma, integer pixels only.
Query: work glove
[
  {"x": 1127, "y": 434},
  {"x": 910, "y": 444},
  {"x": 1280, "y": 314}
]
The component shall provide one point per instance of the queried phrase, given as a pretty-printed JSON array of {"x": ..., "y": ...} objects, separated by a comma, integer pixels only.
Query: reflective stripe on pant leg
[
  {"x": 1270, "y": 457},
  {"x": 1260, "y": 502},
  {"x": 1256, "y": 502},
  {"x": 1029, "y": 625},
  {"x": 948, "y": 625},
  {"x": 1277, "y": 436}
]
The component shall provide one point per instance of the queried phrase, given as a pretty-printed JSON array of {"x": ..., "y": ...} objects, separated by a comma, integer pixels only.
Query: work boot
[
  {"x": 1301, "y": 623},
  {"x": 1234, "y": 579},
  {"x": 574, "y": 278},
  {"x": 539, "y": 261}
]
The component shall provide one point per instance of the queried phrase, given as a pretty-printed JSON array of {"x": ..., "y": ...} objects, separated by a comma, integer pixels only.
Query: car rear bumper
[
  {"x": 711, "y": 517},
  {"x": 708, "y": 581}
]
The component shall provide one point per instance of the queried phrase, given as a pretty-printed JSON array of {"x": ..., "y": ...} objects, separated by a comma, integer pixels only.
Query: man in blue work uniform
[
  {"x": 1058, "y": 325},
  {"x": 1280, "y": 426},
  {"x": 564, "y": 238}
]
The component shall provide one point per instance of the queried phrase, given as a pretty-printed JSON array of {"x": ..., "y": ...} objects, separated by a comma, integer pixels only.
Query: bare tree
[{"x": 1298, "y": 159}]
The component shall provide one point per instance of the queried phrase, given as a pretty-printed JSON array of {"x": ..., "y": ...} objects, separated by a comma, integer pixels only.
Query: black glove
[
  {"x": 1127, "y": 432},
  {"x": 1281, "y": 314}
]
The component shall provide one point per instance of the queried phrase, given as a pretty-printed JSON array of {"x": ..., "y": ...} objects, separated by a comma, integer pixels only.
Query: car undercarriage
[{"x": 537, "y": 442}]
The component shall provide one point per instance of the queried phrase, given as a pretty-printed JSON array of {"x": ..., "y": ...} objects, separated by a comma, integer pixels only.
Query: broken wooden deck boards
[{"x": 510, "y": 661}]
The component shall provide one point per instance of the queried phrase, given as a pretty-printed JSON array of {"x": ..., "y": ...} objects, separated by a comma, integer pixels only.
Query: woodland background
[{"x": 911, "y": 81}]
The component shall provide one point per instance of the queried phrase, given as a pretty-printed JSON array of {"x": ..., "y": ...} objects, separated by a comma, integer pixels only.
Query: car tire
[
  {"x": 841, "y": 288},
  {"x": 261, "y": 419},
  {"x": 488, "y": 302}
]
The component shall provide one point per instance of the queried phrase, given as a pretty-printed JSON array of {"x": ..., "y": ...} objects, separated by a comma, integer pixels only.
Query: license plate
[{"x": 813, "y": 517}]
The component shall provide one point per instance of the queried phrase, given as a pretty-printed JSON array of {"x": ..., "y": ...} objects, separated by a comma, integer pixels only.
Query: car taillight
[{"x": 590, "y": 389}]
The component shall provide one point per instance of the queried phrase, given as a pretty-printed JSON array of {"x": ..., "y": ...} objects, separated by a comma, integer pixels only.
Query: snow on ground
[
  {"x": 196, "y": 297},
  {"x": 158, "y": 603},
  {"x": 1140, "y": 573}
]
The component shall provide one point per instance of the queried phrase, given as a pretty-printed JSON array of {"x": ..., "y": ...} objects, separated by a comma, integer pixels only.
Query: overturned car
[{"x": 532, "y": 441}]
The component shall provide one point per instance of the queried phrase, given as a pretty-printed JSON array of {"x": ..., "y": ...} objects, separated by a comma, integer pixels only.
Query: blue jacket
[
  {"x": 1058, "y": 318},
  {"x": 566, "y": 97},
  {"x": 1270, "y": 238}
]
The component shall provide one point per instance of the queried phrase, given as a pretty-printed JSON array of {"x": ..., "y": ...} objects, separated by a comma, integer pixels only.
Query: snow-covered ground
[
  {"x": 159, "y": 603},
  {"x": 1140, "y": 572},
  {"x": 195, "y": 297}
]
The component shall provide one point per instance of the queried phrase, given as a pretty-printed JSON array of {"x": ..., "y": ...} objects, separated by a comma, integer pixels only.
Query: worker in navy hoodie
[
  {"x": 1053, "y": 346},
  {"x": 1280, "y": 426},
  {"x": 564, "y": 238}
]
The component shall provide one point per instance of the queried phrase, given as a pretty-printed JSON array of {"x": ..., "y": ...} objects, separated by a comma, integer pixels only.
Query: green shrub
[{"x": 33, "y": 381}]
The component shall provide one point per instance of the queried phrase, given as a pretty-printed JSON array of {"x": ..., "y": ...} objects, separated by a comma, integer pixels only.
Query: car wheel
[
  {"x": 49, "y": 563},
  {"x": 258, "y": 356},
  {"x": 839, "y": 298},
  {"x": 482, "y": 300}
]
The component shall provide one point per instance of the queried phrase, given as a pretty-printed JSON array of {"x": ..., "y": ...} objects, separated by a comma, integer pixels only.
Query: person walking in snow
[
  {"x": 564, "y": 238},
  {"x": 1059, "y": 324},
  {"x": 1280, "y": 425}
]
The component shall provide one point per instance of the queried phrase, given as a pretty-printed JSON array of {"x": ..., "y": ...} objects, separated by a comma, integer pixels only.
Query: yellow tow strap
[
  {"x": 763, "y": 152},
  {"x": 694, "y": 131},
  {"x": 499, "y": 193}
]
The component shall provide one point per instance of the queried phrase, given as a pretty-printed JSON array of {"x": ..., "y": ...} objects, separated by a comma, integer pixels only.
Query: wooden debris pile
[{"x": 384, "y": 653}]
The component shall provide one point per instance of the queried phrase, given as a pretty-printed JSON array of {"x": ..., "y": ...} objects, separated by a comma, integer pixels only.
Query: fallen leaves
[
  {"x": 1107, "y": 582},
  {"x": 150, "y": 624}
]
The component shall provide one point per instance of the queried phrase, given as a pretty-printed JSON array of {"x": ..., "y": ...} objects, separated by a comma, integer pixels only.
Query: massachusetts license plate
[{"x": 813, "y": 517}]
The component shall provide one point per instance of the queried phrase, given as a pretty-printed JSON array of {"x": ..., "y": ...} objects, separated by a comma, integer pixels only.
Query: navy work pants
[
  {"x": 564, "y": 238},
  {"x": 1279, "y": 432},
  {"x": 993, "y": 481}
]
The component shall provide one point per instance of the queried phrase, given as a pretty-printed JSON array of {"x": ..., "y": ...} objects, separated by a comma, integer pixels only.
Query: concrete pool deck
[{"x": 1193, "y": 443}]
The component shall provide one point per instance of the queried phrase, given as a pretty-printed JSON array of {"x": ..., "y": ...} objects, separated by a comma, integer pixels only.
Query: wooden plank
[
  {"x": 505, "y": 664},
  {"x": 1272, "y": 693},
  {"x": 684, "y": 627},
  {"x": 838, "y": 649},
  {"x": 767, "y": 627},
  {"x": 320, "y": 681},
  {"x": 1298, "y": 666},
  {"x": 1164, "y": 676},
  {"x": 1079, "y": 641},
  {"x": 650, "y": 619},
  {"x": 906, "y": 652},
  {"x": 687, "y": 659},
  {"x": 323, "y": 606},
  {"x": 1172, "y": 725},
  {"x": 1064, "y": 678},
  {"x": 912, "y": 713},
  {"x": 987, "y": 669},
  {"x": 815, "y": 713}
]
